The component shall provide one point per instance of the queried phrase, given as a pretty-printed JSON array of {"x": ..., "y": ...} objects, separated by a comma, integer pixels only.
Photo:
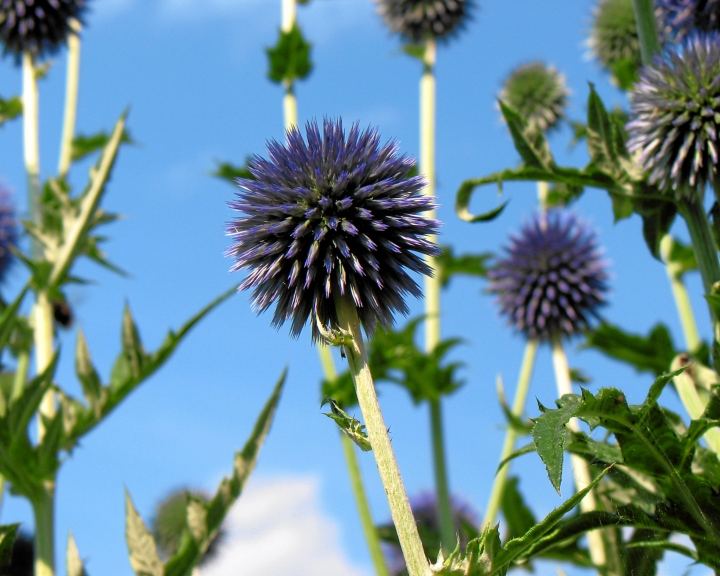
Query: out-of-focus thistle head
[
  {"x": 420, "y": 20},
  {"x": 8, "y": 231},
  {"x": 614, "y": 40},
  {"x": 328, "y": 217},
  {"x": 552, "y": 278},
  {"x": 425, "y": 511},
  {"x": 674, "y": 123},
  {"x": 679, "y": 18},
  {"x": 538, "y": 93},
  {"x": 37, "y": 26}
]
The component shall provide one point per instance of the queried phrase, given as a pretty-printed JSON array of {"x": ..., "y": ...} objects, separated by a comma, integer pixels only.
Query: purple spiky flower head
[
  {"x": 37, "y": 26},
  {"x": 427, "y": 516},
  {"x": 330, "y": 216},
  {"x": 674, "y": 123},
  {"x": 420, "y": 20},
  {"x": 8, "y": 231},
  {"x": 552, "y": 278},
  {"x": 679, "y": 18}
]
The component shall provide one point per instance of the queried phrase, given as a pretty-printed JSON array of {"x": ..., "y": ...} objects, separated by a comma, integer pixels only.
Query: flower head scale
[
  {"x": 8, "y": 232},
  {"x": 674, "y": 123},
  {"x": 37, "y": 26},
  {"x": 538, "y": 92},
  {"x": 614, "y": 40},
  {"x": 331, "y": 216},
  {"x": 552, "y": 278},
  {"x": 420, "y": 20},
  {"x": 679, "y": 18}
]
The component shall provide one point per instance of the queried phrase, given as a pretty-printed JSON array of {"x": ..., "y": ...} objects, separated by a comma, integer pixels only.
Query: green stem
[
  {"x": 448, "y": 536},
  {"x": 647, "y": 29},
  {"x": 31, "y": 140},
  {"x": 44, "y": 513},
  {"x": 356, "y": 481},
  {"x": 21, "y": 372},
  {"x": 580, "y": 467},
  {"x": 400, "y": 510},
  {"x": 511, "y": 434},
  {"x": 43, "y": 323},
  {"x": 72, "y": 80}
]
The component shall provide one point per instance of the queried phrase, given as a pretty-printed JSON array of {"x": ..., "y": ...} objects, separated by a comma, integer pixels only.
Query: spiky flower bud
[
  {"x": 674, "y": 123},
  {"x": 614, "y": 40},
  {"x": 679, "y": 18},
  {"x": 426, "y": 514},
  {"x": 37, "y": 26},
  {"x": 330, "y": 217},
  {"x": 552, "y": 278},
  {"x": 8, "y": 232},
  {"x": 538, "y": 92},
  {"x": 420, "y": 20}
]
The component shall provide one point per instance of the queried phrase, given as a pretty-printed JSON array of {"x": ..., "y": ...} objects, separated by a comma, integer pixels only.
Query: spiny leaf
[
  {"x": 533, "y": 154},
  {"x": 86, "y": 372},
  {"x": 144, "y": 557},
  {"x": 517, "y": 514},
  {"x": 230, "y": 172},
  {"x": 350, "y": 426},
  {"x": 84, "y": 145},
  {"x": 10, "y": 109},
  {"x": 451, "y": 265},
  {"x": 74, "y": 562},
  {"x": 289, "y": 59}
]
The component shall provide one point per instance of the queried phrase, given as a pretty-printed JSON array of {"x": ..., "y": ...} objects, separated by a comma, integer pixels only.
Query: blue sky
[{"x": 193, "y": 74}]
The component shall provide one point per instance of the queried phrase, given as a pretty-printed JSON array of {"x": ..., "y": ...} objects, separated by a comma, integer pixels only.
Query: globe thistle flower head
[
  {"x": 538, "y": 93},
  {"x": 420, "y": 20},
  {"x": 427, "y": 517},
  {"x": 8, "y": 232},
  {"x": 614, "y": 40},
  {"x": 674, "y": 127},
  {"x": 331, "y": 216},
  {"x": 679, "y": 18},
  {"x": 37, "y": 26},
  {"x": 552, "y": 278}
]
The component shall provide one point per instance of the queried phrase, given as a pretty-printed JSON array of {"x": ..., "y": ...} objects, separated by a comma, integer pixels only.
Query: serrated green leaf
[
  {"x": 84, "y": 145},
  {"x": 533, "y": 154},
  {"x": 8, "y": 317},
  {"x": 132, "y": 347},
  {"x": 10, "y": 108},
  {"x": 144, "y": 557},
  {"x": 86, "y": 372},
  {"x": 75, "y": 565},
  {"x": 652, "y": 353},
  {"x": 196, "y": 517},
  {"x": 601, "y": 140},
  {"x": 350, "y": 426},
  {"x": 231, "y": 487},
  {"x": 551, "y": 437},
  {"x": 518, "y": 516},
  {"x": 289, "y": 60},
  {"x": 451, "y": 265}
]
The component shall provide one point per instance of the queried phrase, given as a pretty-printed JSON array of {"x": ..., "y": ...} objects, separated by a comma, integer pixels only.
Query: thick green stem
[
  {"x": 400, "y": 510},
  {"x": 43, "y": 327},
  {"x": 432, "y": 297},
  {"x": 356, "y": 482},
  {"x": 581, "y": 470},
  {"x": 72, "y": 80},
  {"x": 44, "y": 513},
  {"x": 647, "y": 29},
  {"x": 511, "y": 434}
]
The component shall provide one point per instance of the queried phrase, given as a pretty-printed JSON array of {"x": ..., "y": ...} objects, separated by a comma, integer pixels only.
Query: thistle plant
[
  {"x": 680, "y": 18},
  {"x": 8, "y": 232},
  {"x": 329, "y": 225},
  {"x": 614, "y": 40},
  {"x": 420, "y": 20}
]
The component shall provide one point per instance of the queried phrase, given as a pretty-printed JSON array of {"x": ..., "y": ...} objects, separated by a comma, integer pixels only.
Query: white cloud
[{"x": 278, "y": 528}]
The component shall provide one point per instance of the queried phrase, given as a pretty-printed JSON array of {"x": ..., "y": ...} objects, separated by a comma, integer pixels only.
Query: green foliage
[
  {"x": 83, "y": 146},
  {"x": 451, "y": 265},
  {"x": 10, "y": 109},
  {"x": 349, "y": 426},
  {"x": 289, "y": 60},
  {"x": 8, "y": 533},
  {"x": 652, "y": 353},
  {"x": 204, "y": 518},
  {"x": 551, "y": 437},
  {"x": 229, "y": 172}
]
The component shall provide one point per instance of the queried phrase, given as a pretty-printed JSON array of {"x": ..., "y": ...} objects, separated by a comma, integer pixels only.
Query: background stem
[
  {"x": 647, "y": 29},
  {"x": 448, "y": 536},
  {"x": 518, "y": 407},
  {"x": 400, "y": 510},
  {"x": 72, "y": 80},
  {"x": 44, "y": 513},
  {"x": 31, "y": 139},
  {"x": 581, "y": 470}
]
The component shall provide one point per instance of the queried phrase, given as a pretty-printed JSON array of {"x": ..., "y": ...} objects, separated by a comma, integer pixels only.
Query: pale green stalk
[
  {"x": 21, "y": 372},
  {"x": 31, "y": 138},
  {"x": 289, "y": 16},
  {"x": 399, "y": 504},
  {"x": 72, "y": 81},
  {"x": 448, "y": 537},
  {"x": 44, "y": 512},
  {"x": 518, "y": 407},
  {"x": 580, "y": 467}
]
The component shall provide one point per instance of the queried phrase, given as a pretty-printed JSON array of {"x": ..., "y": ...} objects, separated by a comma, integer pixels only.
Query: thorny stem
[
  {"x": 400, "y": 510},
  {"x": 581, "y": 470},
  {"x": 432, "y": 297},
  {"x": 72, "y": 80},
  {"x": 511, "y": 434},
  {"x": 356, "y": 482}
]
